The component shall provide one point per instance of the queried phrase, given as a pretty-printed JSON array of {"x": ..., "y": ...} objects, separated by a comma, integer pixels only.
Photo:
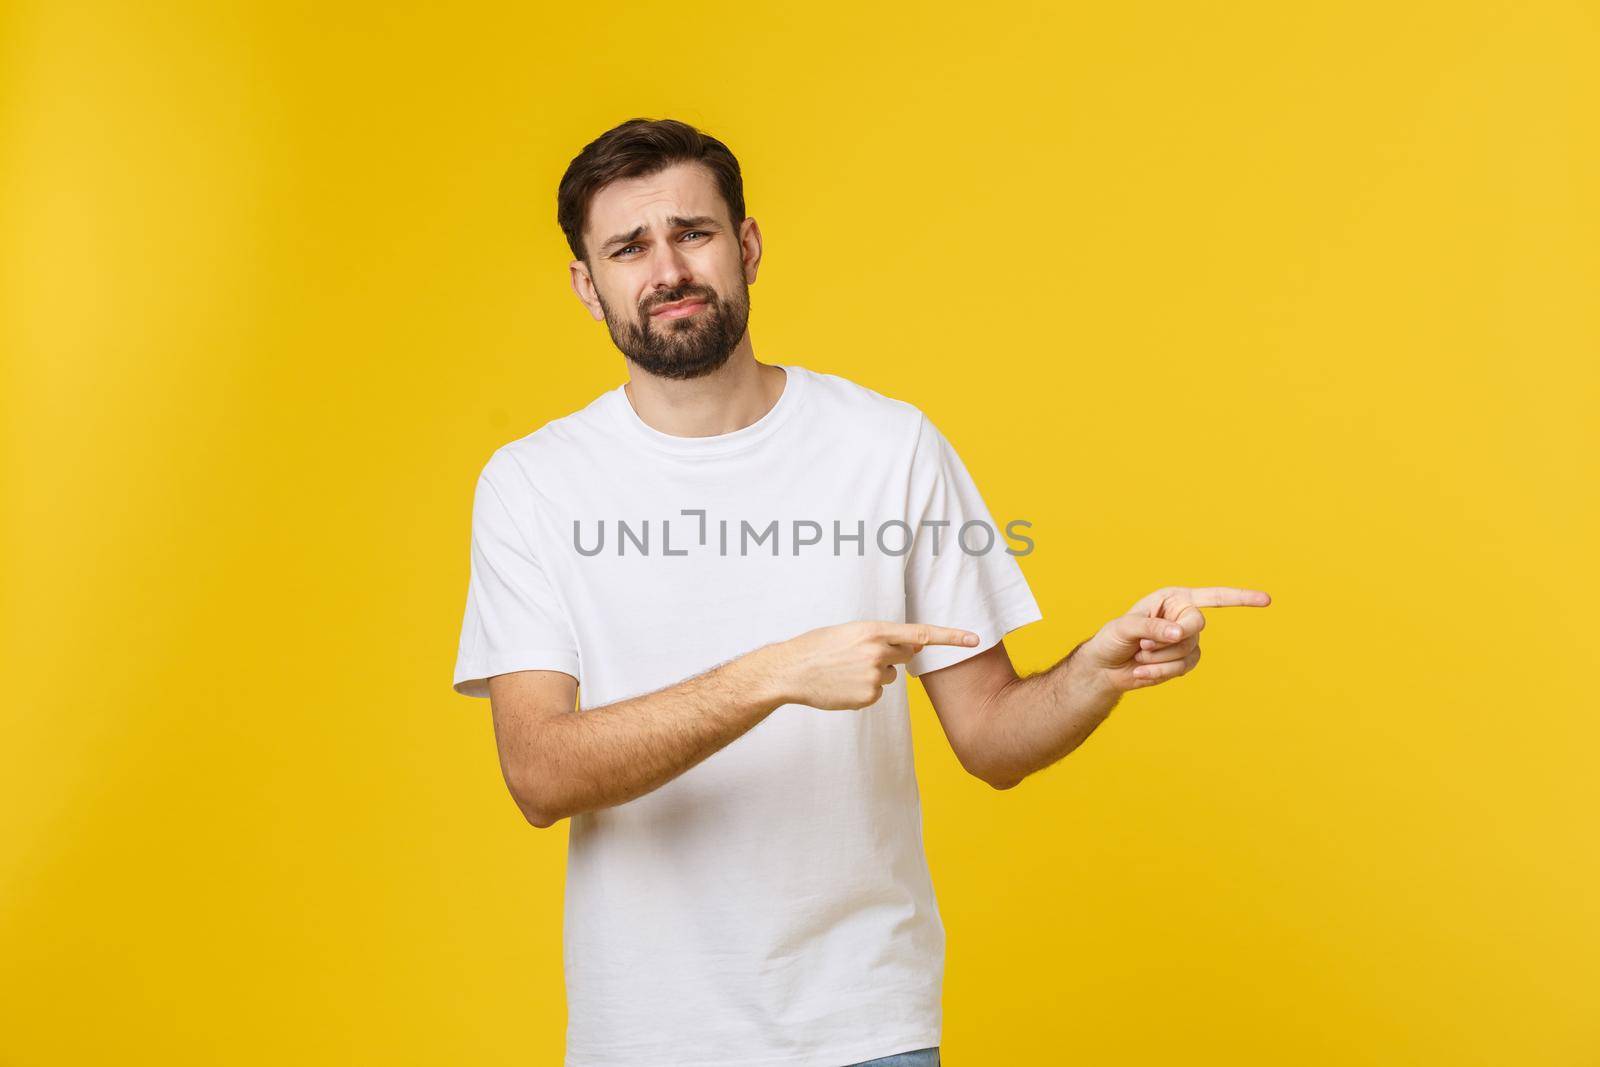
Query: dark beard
[{"x": 683, "y": 348}]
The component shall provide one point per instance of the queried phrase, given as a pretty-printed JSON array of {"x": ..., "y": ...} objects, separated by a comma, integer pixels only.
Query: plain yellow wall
[{"x": 1296, "y": 297}]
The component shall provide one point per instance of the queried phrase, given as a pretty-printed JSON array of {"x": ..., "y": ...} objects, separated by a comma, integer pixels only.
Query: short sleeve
[
  {"x": 968, "y": 579},
  {"x": 513, "y": 619}
]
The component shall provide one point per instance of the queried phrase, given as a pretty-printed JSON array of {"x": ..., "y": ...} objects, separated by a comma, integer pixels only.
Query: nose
[{"x": 669, "y": 269}]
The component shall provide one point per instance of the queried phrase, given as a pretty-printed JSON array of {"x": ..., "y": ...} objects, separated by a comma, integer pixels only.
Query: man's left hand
[{"x": 1159, "y": 637}]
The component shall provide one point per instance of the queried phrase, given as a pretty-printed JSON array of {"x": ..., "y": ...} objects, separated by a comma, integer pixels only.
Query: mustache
[{"x": 707, "y": 295}]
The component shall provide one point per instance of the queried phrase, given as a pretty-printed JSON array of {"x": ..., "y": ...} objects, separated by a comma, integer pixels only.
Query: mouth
[{"x": 678, "y": 309}]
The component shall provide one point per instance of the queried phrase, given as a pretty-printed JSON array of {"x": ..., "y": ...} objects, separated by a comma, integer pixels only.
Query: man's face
[{"x": 663, "y": 240}]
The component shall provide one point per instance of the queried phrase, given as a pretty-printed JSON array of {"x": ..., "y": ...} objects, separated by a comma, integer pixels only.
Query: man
[{"x": 729, "y": 560}]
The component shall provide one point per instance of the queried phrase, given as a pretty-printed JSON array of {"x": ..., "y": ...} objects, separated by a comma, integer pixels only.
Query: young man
[{"x": 729, "y": 560}]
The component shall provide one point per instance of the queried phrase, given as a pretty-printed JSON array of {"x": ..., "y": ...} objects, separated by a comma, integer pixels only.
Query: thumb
[{"x": 1128, "y": 631}]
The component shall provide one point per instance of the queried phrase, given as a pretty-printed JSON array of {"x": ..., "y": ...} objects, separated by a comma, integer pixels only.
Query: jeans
[{"x": 922, "y": 1057}]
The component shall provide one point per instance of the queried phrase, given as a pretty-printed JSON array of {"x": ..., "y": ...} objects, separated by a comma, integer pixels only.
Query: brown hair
[{"x": 639, "y": 148}]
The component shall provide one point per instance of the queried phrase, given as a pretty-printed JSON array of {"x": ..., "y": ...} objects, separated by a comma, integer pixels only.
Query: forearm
[
  {"x": 599, "y": 757},
  {"x": 1035, "y": 721}
]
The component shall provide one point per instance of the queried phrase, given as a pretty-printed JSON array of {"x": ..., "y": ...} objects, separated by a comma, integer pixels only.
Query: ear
[
  {"x": 750, "y": 248},
  {"x": 583, "y": 285}
]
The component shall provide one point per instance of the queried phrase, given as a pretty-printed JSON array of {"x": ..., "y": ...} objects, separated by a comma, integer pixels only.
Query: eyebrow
[{"x": 673, "y": 221}]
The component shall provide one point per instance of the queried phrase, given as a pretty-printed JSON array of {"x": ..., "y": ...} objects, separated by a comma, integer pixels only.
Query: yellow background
[{"x": 1295, "y": 297}]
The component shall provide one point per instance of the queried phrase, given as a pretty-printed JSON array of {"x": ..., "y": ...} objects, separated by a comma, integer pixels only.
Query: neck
[{"x": 730, "y": 398}]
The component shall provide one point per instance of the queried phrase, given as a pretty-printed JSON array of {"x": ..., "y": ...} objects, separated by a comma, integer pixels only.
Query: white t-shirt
[{"x": 772, "y": 905}]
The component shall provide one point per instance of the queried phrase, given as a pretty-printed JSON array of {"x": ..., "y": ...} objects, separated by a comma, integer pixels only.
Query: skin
[{"x": 697, "y": 376}]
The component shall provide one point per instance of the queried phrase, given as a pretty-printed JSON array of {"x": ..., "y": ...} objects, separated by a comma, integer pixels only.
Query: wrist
[
  {"x": 1090, "y": 679},
  {"x": 763, "y": 677}
]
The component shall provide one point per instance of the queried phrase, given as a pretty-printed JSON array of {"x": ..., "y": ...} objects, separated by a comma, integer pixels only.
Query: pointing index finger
[
  {"x": 919, "y": 633},
  {"x": 1227, "y": 596}
]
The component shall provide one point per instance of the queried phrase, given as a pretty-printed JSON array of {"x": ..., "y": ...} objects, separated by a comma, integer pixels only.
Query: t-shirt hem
[
  {"x": 840, "y": 1056},
  {"x": 472, "y": 678}
]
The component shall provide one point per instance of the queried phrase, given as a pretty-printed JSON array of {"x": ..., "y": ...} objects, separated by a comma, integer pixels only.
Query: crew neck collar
[{"x": 716, "y": 444}]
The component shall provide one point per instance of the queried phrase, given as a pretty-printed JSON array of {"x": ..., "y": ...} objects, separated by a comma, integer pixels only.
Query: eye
[{"x": 618, "y": 254}]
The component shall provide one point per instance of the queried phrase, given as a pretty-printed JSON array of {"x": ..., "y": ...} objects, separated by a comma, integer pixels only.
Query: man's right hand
[{"x": 844, "y": 667}]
